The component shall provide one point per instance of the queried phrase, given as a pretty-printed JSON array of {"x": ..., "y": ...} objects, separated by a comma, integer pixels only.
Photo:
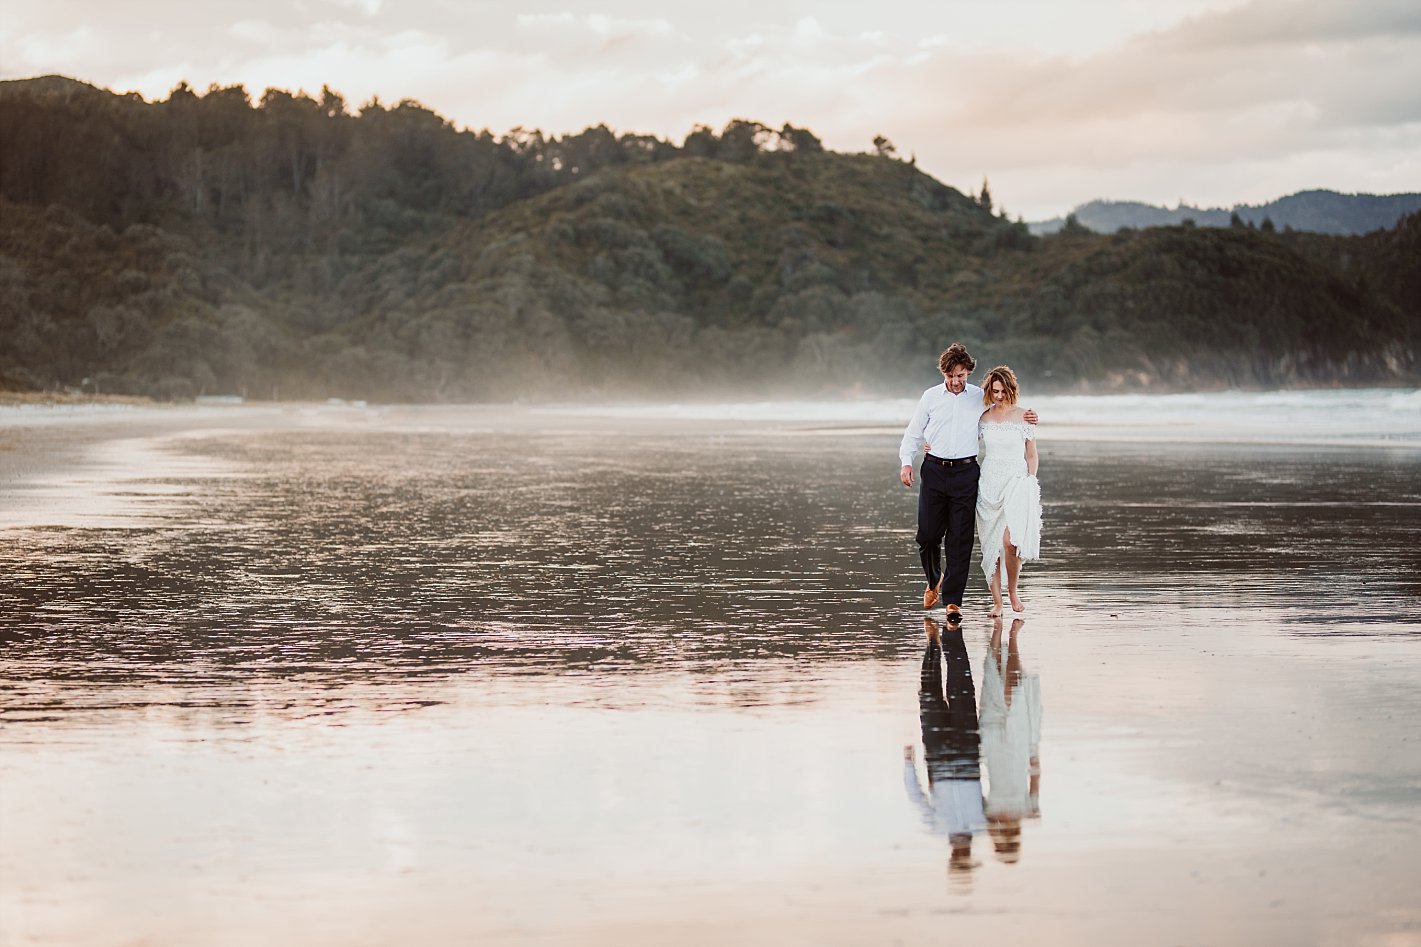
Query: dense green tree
[
  {"x": 799, "y": 140},
  {"x": 742, "y": 140},
  {"x": 701, "y": 143},
  {"x": 984, "y": 197}
]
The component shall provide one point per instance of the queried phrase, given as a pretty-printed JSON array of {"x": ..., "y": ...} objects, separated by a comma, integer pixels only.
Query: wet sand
[{"x": 352, "y": 678}]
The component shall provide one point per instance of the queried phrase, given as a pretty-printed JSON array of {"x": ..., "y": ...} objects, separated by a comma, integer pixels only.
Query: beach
[{"x": 337, "y": 674}]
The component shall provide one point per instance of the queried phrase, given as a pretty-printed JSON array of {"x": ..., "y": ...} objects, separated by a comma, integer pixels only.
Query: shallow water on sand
[{"x": 450, "y": 684}]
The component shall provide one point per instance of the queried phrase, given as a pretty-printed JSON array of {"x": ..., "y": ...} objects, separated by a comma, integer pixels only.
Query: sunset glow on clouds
[{"x": 1212, "y": 103}]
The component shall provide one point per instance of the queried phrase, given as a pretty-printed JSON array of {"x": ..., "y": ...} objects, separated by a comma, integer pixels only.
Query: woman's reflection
[
  {"x": 953, "y": 804},
  {"x": 1011, "y": 736}
]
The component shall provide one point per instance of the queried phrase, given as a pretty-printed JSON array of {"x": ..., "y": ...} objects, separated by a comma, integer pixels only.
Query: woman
[
  {"x": 1008, "y": 494},
  {"x": 1011, "y": 737}
]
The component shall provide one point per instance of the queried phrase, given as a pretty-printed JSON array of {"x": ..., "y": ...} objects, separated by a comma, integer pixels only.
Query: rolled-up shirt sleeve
[
  {"x": 913, "y": 435},
  {"x": 916, "y": 796}
]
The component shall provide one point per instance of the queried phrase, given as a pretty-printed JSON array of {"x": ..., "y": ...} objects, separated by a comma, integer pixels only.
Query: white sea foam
[
  {"x": 1386, "y": 417},
  {"x": 1352, "y": 417}
]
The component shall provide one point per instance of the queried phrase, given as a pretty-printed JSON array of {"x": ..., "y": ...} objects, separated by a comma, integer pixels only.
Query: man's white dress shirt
[
  {"x": 946, "y": 421},
  {"x": 955, "y": 806}
]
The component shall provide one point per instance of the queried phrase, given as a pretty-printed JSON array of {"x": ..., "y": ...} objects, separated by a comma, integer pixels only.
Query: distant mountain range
[{"x": 1309, "y": 211}]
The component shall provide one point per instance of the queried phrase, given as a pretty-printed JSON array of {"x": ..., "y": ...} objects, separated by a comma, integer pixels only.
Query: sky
[{"x": 1206, "y": 102}]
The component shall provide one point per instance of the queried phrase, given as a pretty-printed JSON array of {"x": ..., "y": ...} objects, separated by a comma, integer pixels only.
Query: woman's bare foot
[
  {"x": 1016, "y": 603},
  {"x": 996, "y": 588}
]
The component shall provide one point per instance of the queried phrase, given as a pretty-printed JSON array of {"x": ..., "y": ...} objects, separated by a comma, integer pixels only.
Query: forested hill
[{"x": 291, "y": 248}]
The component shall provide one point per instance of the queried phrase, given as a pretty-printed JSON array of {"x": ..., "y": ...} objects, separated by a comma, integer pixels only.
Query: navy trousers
[
  {"x": 951, "y": 739},
  {"x": 947, "y": 516}
]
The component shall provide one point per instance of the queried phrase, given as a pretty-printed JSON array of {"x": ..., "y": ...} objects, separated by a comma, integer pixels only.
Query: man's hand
[
  {"x": 905, "y": 476},
  {"x": 909, "y": 752},
  {"x": 1030, "y": 416}
]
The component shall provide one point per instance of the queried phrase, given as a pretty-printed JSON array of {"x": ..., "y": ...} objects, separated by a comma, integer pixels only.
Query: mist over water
[
  {"x": 1345, "y": 417},
  {"x": 402, "y": 660}
]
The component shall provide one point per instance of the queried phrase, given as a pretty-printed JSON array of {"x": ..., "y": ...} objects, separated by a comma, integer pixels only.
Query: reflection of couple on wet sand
[
  {"x": 979, "y": 470},
  {"x": 956, "y": 744}
]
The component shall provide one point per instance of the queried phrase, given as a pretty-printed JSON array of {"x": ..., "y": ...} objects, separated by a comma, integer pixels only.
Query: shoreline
[
  {"x": 38, "y": 438},
  {"x": 11, "y": 397}
]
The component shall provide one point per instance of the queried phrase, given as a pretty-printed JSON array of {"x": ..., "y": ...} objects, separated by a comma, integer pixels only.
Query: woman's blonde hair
[{"x": 1008, "y": 379}]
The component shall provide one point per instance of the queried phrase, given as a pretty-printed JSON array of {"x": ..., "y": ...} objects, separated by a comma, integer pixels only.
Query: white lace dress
[
  {"x": 1011, "y": 736},
  {"x": 1007, "y": 496}
]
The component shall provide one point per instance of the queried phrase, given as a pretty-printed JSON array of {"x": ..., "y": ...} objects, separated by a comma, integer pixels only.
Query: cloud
[
  {"x": 544, "y": 21},
  {"x": 595, "y": 24},
  {"x": 1288, "y": 22},
  {"x": 1167, "y": 113},
  {"x": 68, "y": 45},
  {"x": 253, "y": 32},
  {"x": 1058, "y": 105},
  {"x": 367, "y": 7},
  {"x": 1169, "y": 105}
]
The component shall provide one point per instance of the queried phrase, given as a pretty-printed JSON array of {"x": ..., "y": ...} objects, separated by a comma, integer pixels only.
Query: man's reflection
[
  {"x": 1011, "y": 736},
  {"x": 953, "y": 804}
]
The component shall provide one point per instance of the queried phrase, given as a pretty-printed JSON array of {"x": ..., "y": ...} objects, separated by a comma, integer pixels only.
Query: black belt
[{"x": 957, "y": 462}]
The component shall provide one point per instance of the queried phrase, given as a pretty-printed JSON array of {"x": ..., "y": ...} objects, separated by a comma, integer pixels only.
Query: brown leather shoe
[
  {"x": 931, "y": 597},
  {"x": 954, "y": 614}
]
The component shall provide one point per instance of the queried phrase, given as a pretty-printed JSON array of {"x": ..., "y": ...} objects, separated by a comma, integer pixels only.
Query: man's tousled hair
[{"x": 953, "y": 356}]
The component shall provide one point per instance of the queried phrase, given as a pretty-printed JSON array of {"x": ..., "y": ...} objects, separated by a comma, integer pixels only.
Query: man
[
  {"x": 946, "y": 420},
  {"x": 952, "y": 806}
]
